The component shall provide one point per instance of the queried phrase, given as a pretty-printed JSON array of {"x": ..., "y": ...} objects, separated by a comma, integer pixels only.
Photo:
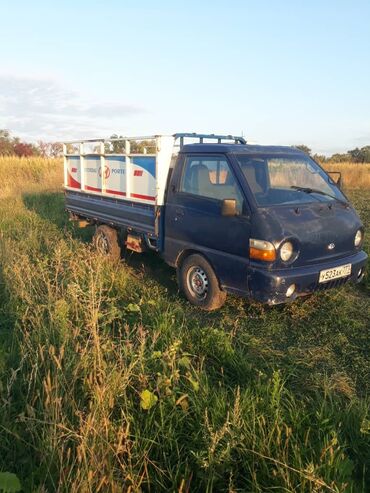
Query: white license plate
[{"x": 340, "y": 271}]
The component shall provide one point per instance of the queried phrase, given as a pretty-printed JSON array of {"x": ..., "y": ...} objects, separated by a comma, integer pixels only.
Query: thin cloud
[
  {"x": 41, "y": 109},
  {"x": 363, "y": 140}
]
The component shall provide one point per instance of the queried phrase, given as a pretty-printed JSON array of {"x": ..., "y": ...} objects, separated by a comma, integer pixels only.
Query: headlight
[
  {"x": 358, "y": 238},
  {"x": 286, "y": 251},
  {"x": 262, "y": 250}
]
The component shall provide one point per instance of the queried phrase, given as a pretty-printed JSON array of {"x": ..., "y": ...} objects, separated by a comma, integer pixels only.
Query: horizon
[{"x": 287, "y": 74}]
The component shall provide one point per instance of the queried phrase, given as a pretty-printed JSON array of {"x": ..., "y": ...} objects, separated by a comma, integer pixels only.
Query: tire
[
  {"x": 199, "y": 283},
  {"x": 105, "y": 241}
]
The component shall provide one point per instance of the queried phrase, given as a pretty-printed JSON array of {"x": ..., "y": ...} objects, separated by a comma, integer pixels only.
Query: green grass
[{"x": 248, "y": 398}]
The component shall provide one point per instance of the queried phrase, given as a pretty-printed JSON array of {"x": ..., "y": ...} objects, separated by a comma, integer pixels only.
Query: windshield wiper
[{"x": 315, "y": 190}]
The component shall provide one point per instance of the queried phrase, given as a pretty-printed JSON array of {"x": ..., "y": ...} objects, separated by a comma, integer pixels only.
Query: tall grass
[
  {"x": 29, "y": 174},
  {"x": 354, "y": 175},
  {"x": 110, "y": 382}
]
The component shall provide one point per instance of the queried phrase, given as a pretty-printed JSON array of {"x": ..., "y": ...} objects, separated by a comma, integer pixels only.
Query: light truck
[{"x": 264, "y": 222}]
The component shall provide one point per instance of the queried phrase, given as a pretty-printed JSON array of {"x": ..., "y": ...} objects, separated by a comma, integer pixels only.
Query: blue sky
[{"x": 283, "y": 72}]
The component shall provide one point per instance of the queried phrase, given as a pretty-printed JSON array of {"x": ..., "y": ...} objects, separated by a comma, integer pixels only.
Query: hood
[{"x": 321, "y": 231}]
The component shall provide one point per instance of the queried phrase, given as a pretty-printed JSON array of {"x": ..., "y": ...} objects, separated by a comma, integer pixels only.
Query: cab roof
[{"x": 239, "y": 148}]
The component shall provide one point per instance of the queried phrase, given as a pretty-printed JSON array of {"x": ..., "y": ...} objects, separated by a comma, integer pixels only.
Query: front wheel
[{"x": 199, "y": 283}]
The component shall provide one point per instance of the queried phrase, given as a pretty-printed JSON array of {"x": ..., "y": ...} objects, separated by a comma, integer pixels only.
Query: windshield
[{"x": 287, "y": 179}]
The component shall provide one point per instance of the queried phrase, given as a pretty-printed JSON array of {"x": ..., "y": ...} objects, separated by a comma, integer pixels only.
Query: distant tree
[
  {"x": 117, "y": 147},
  {"x": 14, "y": 146},
  {"x": 43, "y": 148},
  {"x": 4, "y": 134},
  {"x": 137, "y": 147},
  {"x": 320, "y": 158},
  {"x": 360, "y": 155},
  {"x": 366, "y": 153},
  {"x": 356, "y": 155},
  {"x": 21, "y": 149},
  {"x": 143, "y": 147},
  {"x": 340, "y": 158},
  {"x": 55, "y": 149},
  {"x": 303, "y": 148},
  {"x": 49, "y": 149},
  {"x": 6, "y": 146}
]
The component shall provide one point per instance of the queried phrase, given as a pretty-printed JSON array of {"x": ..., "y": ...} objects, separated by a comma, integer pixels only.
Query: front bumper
[{"x": 271, "y": 286}]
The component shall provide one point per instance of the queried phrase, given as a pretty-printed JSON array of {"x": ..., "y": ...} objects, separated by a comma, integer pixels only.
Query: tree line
[
  {"x": 10, "y": 146},
  {"x": 357, "y": 155},
  {"x": 14, "y": 146}
]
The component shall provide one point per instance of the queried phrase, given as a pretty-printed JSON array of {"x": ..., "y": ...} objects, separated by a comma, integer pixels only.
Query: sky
[{"x": 277, "y": 72}]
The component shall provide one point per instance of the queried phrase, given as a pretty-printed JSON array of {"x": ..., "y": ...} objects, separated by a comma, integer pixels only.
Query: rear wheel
[
  {"x": 199, "y": 283},
  {"x": 106, "y": 242}
]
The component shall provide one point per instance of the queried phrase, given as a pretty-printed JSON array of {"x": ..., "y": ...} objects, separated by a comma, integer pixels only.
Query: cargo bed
[
  {"x": 122, "y": 182},
  {"x": 109, "y": 210},
  {"x": 124, "y": 189}
]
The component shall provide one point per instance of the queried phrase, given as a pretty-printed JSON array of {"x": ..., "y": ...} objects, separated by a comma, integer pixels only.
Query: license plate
[{"x": 340, "y": 271}]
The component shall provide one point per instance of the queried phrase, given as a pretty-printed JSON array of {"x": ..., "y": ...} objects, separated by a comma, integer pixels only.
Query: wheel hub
[
  {"x": 102, "y": 244},
  {"x": 198, "y": 282}
]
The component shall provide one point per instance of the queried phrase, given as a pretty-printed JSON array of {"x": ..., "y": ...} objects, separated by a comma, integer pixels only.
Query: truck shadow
[
  {"x": 49, "y": 206},
  {"x": 151, "y": 265}
]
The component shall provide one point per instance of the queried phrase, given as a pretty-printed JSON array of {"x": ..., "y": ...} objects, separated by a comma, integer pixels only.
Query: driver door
[{"x": 194, "y": 220}]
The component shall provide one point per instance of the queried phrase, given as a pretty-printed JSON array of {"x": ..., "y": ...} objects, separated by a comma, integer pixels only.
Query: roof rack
[
  {"x": 181, "y": 136},
  {"x": 201, "y": 137},
  {"x": 114, "y": 139}
]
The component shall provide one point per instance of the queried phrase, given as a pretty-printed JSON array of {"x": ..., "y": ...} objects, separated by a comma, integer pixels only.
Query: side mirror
[
  {"x": 338, "y": 181},
  {"x": 228, "y": 207}
]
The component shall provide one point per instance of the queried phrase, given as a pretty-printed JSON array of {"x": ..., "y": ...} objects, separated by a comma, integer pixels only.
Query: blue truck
[{"x": 265, "y": 222}]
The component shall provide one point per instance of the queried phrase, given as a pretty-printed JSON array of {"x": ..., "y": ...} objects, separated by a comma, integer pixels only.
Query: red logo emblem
[
  {"x": 106, "y": 172},
  {"x": 138, "y": 172}
]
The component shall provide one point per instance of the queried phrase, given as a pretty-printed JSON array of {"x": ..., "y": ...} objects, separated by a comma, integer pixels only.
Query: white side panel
[
  {"x": 72, "y": 172},
  {"x": 115, "y": 176},
  {"x": 92, "y": 174},
  {"x": 143, "y": 178},
  {"x": 138, "y": 178}
]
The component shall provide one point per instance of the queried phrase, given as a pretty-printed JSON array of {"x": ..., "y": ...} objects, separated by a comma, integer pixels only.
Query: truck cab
[
  {"x": 271, "y": 223},
  {"x": 265, "y": 222}
]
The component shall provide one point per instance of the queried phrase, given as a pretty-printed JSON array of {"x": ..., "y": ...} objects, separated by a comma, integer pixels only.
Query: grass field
[
  {"x": 110, "y": 381},
  {"x": 354, "y": 175}
]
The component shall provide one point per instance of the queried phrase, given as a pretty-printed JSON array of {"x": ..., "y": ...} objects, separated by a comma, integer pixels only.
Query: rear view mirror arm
[{"x": 339, "y": 181}]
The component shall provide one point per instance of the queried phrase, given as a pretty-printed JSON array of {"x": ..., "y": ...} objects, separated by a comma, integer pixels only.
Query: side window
[{"x": 210, "y": 176}]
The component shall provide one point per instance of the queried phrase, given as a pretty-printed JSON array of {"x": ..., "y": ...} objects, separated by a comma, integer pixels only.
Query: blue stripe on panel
[{"x": 148, "y": 163}]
